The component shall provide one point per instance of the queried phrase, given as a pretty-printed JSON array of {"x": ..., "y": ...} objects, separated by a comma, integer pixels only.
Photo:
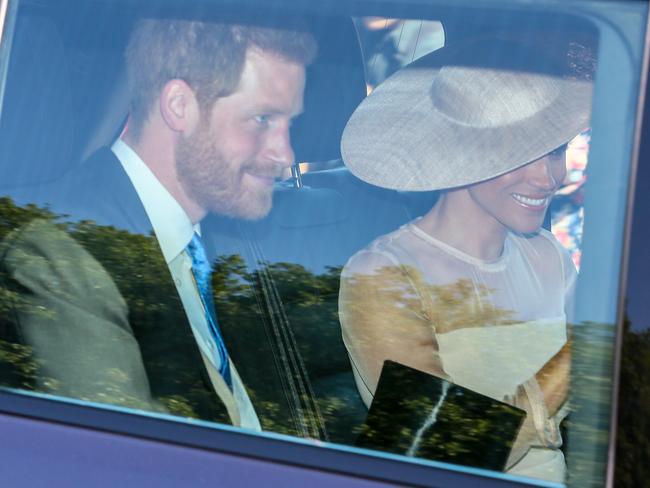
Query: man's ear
[{"x": 178, "y": 106}]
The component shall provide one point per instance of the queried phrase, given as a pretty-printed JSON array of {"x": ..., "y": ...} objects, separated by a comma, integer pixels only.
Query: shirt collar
[{"x": 172, "y": 226}]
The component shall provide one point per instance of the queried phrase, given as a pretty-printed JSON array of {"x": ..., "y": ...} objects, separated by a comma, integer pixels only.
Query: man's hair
[{"x": 208, "y": 56}]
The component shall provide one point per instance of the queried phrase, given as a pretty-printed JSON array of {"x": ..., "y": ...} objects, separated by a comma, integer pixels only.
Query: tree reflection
[
  {"x": 307, "y": 300},
  {"x": 633, "y": 443},
  {"x": 140, "y": 274},
  {"x": 392, "y": 312},
  {"x": 288, "y": 351},
  {"x": 415, "y": 414}
]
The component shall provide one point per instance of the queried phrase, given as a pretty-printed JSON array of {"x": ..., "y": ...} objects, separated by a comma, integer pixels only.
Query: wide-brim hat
[{"x": 465, "y": 114}]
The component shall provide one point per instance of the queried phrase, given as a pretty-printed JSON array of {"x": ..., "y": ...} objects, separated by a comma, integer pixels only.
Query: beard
[{"x": 216, "y": 183}]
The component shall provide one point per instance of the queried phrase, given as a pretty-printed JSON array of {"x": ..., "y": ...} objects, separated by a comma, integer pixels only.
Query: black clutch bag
[{"x": 417, "y": 414}]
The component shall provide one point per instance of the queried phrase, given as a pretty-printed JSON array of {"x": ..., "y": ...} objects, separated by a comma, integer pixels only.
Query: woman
[{"x": 475, "y": 291}]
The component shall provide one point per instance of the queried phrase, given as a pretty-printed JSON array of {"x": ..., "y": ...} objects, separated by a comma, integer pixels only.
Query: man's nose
[
  {"x": 543, "y": 174},
  {"x": 279, "y": 148}
]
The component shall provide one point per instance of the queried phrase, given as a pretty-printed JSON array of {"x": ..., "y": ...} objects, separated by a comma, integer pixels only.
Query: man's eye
[{"x": 262, "y": 119}]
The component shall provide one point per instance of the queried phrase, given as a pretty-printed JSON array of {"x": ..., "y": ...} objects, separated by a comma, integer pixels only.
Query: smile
[{"x": 535, "y": 203}]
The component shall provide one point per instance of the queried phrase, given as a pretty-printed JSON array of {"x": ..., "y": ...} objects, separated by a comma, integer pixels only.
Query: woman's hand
[{"x": 554, "y": 379}]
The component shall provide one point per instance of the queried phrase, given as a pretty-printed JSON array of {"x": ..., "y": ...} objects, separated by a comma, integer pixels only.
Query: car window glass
[{"x": 325, "y": 300}]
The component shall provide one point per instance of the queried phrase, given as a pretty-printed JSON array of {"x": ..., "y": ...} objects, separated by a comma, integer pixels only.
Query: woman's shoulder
[
  {"x": 380, "y": 252},
  {"x": 543, "y": 242},
  {"x": 390, "y": 249},
  {"x": 543, "y": 248}
]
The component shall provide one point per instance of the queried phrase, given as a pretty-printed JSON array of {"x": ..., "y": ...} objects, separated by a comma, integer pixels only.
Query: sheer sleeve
[
  {"x": 570, "y": 275},
  {"x": 545, "y": 396},
  {"x": 554, "y": 377},
  {"x": 383, "y": 316}
]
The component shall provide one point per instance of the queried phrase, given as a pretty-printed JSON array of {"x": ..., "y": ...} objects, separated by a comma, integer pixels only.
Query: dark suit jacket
[{"x": 96, "y": 314}]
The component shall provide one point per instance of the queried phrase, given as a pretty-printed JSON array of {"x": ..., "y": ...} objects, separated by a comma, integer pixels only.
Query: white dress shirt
[{"x": 174, "y": 230}]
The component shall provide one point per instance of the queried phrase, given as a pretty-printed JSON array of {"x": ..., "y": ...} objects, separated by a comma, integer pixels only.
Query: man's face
[{"x": 228, "y": 164}]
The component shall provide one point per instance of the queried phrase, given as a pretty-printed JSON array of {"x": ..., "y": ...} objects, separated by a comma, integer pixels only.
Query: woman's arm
[
  {"x": 554, "y": 379},
  {"x": 383, "y": 317}
]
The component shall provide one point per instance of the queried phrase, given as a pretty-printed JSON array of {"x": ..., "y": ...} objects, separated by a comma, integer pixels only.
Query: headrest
[{"x": 336, "y": 84}]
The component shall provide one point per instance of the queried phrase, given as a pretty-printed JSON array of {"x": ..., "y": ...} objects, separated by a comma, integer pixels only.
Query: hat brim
[{"x": 397, "y": 139}]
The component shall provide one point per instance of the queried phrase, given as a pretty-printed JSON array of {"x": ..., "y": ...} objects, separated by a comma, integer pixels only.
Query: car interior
[{"x": 66, "y": 92}]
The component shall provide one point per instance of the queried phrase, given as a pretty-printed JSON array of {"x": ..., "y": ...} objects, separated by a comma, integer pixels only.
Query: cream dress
[{"x": 490, "y": 326}]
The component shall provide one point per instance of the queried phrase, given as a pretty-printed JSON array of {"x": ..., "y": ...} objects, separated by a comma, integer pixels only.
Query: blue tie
[{"x": 202, "y": 273}]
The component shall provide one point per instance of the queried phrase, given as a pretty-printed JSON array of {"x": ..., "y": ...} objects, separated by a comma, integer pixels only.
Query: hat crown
[{"x": 488, "y": 98}]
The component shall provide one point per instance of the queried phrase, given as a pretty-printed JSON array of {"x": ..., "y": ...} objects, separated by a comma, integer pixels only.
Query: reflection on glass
[
  {"x": 65, "y": 337},
  {"x": 417, "y": 414},
  {"x": 74, "y": 292},
  {"x": 633, "y": 444}
]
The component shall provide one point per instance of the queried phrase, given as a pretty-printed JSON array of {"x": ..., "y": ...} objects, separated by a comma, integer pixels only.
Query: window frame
[
  {"x": 276, "y": 448},
  {"x": 288, "y": 450}
]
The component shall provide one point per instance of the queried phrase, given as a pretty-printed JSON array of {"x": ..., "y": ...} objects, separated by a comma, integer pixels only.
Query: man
[{"x": 208, "y": 132}]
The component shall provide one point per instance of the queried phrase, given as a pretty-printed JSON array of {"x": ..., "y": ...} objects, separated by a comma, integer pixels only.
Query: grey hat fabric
[{"x": 464, "y": 114}]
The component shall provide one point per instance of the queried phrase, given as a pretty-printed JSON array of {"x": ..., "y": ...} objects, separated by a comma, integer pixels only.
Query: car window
[{"x": 385, "y": 228}]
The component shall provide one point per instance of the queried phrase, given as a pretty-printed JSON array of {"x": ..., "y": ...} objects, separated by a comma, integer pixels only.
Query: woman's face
[{"x": 518, "y": 200}]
